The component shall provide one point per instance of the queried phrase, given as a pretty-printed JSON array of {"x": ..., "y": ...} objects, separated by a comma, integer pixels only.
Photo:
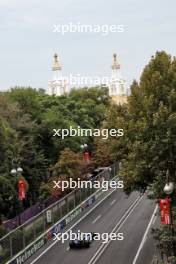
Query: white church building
[
  {"x": 58, "y": 85},
  {"x": 116, "y": 85}
]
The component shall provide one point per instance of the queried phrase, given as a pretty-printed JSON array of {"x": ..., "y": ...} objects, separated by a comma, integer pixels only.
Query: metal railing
[{"x": 21, "y": 237}]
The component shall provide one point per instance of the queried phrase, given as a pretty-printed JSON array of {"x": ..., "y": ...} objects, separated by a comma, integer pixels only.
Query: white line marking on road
[
  {"x": 79, "y": 220},
  {"x": 68, "y": 248},
  {"x": 113, "y": 202},
  {"x": 154, "y": 219},
  {"x": 96, "y": 219},
  {"x": 145, "y": 235},
  {"x": 120, "y": 223}
]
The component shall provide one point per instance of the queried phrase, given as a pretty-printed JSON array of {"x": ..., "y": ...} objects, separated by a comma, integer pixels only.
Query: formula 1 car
[{"x": 83, "y": 241}]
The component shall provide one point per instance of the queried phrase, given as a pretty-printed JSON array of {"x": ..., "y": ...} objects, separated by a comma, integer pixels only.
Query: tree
[
  {"x": 101, "y": 155},
  {"x": 69, "y": 164},
  {"x": 8, "y": 196},
  {"x": 151, "y": 131},
  {"x": 27, "y": 119},
  {"x": 150, "y": 136}
]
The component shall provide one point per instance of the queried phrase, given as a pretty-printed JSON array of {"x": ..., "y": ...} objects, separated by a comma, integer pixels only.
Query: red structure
[
  {"x": 165, "y": 211},
  {"x": 21, "y": 190},
  {"x": 86, "y": 156}
]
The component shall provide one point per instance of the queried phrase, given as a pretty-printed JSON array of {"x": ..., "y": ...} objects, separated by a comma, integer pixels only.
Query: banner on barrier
[{"x": 29, "y": 251}]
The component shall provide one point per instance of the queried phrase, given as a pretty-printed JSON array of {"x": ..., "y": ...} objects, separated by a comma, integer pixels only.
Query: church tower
[
  {"x": 116, "y": 84},
  {"x": 58, "y": 84}
]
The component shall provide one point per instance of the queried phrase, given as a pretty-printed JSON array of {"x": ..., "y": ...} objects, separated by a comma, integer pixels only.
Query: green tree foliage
[
  {"x": 166, "y": 243},
  {"x": 69, "y": 164},
  {"x": 8, "y": 197},
  {"x": 101, "y": 155},
  {"x": 149, "y": 142},
  {"x": 27, "y": 120},
  {"x": 149, "y": 123}
]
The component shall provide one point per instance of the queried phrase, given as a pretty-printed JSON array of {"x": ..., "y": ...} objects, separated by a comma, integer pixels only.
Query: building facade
[
  {"x": 58, "y": 85},
  {"x": 116, "y": 84}
]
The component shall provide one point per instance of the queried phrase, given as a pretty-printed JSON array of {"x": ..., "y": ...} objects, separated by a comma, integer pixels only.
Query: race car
[{"x": 83, "y": 241}]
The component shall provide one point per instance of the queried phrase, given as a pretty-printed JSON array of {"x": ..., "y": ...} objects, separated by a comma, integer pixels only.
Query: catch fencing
[{"x": 18, "y": 239}]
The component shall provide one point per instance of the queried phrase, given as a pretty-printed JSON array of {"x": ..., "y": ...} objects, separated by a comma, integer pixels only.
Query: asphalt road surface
[{"x": 132, "y": 215}]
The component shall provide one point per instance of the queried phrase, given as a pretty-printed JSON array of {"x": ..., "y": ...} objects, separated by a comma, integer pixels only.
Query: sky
[{"x": 28, "y": 40}]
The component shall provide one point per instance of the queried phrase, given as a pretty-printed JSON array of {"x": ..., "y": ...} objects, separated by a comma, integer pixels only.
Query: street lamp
[
  {"x": 169, "y": 187},
  {"x": 16, "y": 167},
  {"x": 86, "y": 153},
  {"x": 15, "y": 171},
  {"x": 86, "y": 157},
  {"x": 84, "y": 146},
  {"x": 19, "y": 170},
  {"x": 168, "y": 190}
]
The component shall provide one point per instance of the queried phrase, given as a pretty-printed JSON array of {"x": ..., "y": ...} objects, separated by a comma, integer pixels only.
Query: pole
[
  {"x": 171, "y": 214},
  {"x": 172, "y": 227}
]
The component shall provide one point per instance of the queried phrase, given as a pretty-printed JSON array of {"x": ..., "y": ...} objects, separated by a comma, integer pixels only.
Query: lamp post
[
  {"x": 86, "y": 153},
  {"x": 17, "y": 171},
  {"x": 16, "y": 167},
  {"x": 84, "y": 146},
  {"x": 168, "y": 190}
]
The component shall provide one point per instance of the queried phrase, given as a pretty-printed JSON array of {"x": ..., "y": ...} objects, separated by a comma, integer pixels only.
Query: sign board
[
  {"x": 29, "y": 252},
  {"x": 48, "y": 216}
]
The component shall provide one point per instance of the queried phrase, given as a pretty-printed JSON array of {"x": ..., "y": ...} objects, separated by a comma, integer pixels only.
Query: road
[{"x": 117, "y": 213}]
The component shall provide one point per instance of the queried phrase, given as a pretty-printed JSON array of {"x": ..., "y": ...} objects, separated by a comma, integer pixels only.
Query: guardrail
[{"x": 29, "y": 237}]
